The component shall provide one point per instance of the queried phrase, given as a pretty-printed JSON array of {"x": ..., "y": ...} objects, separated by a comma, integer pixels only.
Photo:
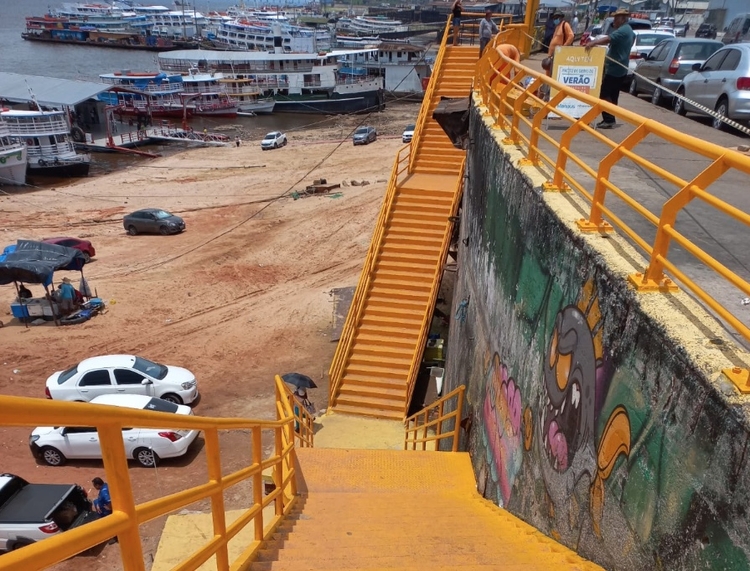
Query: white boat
[
  {"x": 49, "y": 147},
  {"x": 371, "y": 25},
  {"x": 258, "y": 35},
  {"x": 12, "y": 158},
  {"x": 162, "y": 22},
  {"x": 299, "y": 83}
]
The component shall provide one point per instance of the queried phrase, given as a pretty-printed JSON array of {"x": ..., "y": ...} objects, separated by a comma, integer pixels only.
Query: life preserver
[
  {"x": 42, "y": 163},
  {"x": 29, "y": 142},
  {"x": 78, "y": 134}
]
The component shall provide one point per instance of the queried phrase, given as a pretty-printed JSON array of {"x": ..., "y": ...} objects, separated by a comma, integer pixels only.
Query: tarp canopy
[
  {"x": 35, "y": 262},
  {"x": 49, "y": 91}
]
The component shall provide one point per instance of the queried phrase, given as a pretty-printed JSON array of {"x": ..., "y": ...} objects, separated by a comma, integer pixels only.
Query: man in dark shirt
[{"x": 616, "y": 66}]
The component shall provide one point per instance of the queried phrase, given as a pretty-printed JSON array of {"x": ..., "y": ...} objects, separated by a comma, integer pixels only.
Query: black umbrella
[{"x": 299, "y": 381}]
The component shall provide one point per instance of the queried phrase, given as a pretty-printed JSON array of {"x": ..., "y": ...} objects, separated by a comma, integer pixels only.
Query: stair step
[
  {"x": 404, "y": 264},
  {"x": 394, "y": 361},
  {"x": 367, "y": 411},
  {"x": 355, "y": 390},
  {"x": 376, "y": 301},
  {"x": 381, "y": 403},
  {"x": 389, "y": 293},
  {"x": 394, "y": 283},
  {"x": 412, "y": 313},
  {"x": 375, "y": 371},
  {"x": 359, "y": 381},
  {"x": 393, "y": 247},
  {"x": 400, "y": 218},
  {"x": 406, "y": 322},
  {"x": 369, "y": 337},
  {"x": 402, "y": 226}
]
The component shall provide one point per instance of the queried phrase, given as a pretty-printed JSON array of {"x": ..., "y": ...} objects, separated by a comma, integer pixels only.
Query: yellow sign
[{"x": 579, "y": 70}]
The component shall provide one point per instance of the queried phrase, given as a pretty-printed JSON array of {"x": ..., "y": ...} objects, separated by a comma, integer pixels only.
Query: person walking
[
  {"x": 456, "y": 11},
  {"x": 616, "y": 66},
  {"x": 487, "y": 29},
  {"x": 562, "y": 36}
]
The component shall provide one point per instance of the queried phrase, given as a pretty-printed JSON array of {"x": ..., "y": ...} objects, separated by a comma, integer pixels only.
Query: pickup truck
[{"x": 32, "y": 512}]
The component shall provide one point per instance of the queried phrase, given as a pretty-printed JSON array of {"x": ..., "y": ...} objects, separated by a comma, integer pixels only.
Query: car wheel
[
  {"x": 145, "y": 457},
  {"x": 52, "y": 456},
  {"x": 679, "y": 104},
  {"x": 21, "y": 543},
  {"x": 284, "y": 143},
  {"x": 722, "y": 109},
  {"x": 86, "y": 257},
  {"x": 633, "y": 90},
  {"x": 171, "y": 397},
  {"x": 656, "y": 96},
  {"x": 132, "y": 231},
  {"x": 163, "y": 230}
]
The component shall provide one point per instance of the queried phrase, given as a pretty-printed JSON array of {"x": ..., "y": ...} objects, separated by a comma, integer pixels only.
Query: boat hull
[
  {"x": 335, "y": 105},
  {"x": 13, "y": 168},
  {"x": 121, "y": 46},
  {"x": 62, "y": 170},
  {"x": 261, "y": 108}
]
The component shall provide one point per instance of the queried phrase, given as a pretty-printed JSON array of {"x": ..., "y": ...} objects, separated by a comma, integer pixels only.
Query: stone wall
[{"x": 593, "y": 416}]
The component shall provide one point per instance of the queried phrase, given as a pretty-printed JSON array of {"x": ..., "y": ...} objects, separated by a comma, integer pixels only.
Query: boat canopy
[{"x": 35, "y": 262}]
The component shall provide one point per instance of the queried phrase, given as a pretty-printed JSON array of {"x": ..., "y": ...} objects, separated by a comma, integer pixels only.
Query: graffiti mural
[{"x": 586, "y": 420}]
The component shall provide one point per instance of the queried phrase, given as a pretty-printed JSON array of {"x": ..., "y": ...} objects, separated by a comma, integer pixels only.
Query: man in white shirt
[{"x": 487, "y": 29}]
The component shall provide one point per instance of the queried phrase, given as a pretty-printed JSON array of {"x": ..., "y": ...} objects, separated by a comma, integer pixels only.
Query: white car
[
  {"x": 122, "y": 374},
  {"x": 273, "y": 140},
  {"x": 408, "y": 133},
  {"x": 645, "y": 41},
  {"x": 53, "y": 445}
]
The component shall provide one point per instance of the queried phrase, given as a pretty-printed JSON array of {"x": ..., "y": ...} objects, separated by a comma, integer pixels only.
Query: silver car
[
  {"x": 721, "y": 84},
  {"x": 668, "y": 63}
]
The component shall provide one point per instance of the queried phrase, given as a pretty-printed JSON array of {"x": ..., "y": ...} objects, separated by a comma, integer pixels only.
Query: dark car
[
  {"x": 153, "y": 221},
  {"x": 365, "y": 136},
  {"x": 83, "y": 245},
  {"x": 706, "y": 31}
]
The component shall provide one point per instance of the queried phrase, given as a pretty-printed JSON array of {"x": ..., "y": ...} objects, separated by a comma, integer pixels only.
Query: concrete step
[
  {"x": 369, "y": 412},
  {"x": 377, "y": 404}
]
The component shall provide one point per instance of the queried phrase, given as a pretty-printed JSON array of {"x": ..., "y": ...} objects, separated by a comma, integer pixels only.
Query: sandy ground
[{"x": 242, "y": 295}]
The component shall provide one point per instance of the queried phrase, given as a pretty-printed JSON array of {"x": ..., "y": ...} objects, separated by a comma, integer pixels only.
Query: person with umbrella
[{"x": 301, "y": 384}]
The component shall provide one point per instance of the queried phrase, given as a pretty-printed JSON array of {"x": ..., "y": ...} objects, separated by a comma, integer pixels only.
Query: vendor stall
[{"x": 30, "y": 262}]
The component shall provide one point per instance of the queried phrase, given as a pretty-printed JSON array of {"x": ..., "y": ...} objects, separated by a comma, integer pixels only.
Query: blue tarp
[{"x": 35, "y": 262}]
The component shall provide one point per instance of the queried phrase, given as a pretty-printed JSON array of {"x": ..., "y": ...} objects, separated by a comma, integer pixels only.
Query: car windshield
[
  {"x": 697, "y": 51},
  {"x": 650, "y": 39},
  {"x": 150, "y": 368},
  {"x": 162, "y": 214},
  {"x": 361, "y": 131},
  {"x": 65, "y": 375},
  {"x": 270, "y": 136},
  {"x": 160, "y": 406},
  {"x": 410, "y": 128}
]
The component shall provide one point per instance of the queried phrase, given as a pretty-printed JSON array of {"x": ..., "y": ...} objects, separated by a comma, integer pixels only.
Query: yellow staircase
[
  {"x": 380, "y": 357},
  {"x": 388, "y": 509}
]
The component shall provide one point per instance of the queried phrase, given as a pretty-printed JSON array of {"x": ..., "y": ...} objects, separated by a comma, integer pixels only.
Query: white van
[{"x": 738, "y": 30}]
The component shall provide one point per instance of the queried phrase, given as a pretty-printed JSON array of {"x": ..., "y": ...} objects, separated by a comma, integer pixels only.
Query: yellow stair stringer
[
  {"x": 374, "y": 370},
  {"x": 380, "y": 509}
]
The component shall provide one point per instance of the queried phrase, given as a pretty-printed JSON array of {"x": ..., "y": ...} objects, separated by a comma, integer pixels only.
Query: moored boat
[
  {"x": 49, "y": 147},
  {"x": 12, "y": 158}
]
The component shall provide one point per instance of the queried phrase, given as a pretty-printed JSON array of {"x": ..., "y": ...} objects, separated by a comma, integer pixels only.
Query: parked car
[
  {"x": 273, "y": 140},
  {"x": 122, "y": 374},
  {"x": 33, "y": 512},
  {"x": 152, "y": 221},
  {"x": 365, "y": 136},
  {"x": 635, "y": 24},
  {"x": 668, "y": 63},
  {"x": 706, "y": 31},
  {"x": 664, "y": 30},
  {"x": 738, "y": 30},
  {"x": 645, "y": 40},
  {"x": 590, "y": 33},
  {"x": 54, "y": 445},
  {"x": 83, "y": 245},
  {"x": 721, "y": 84},
  {"x": 680, "y": 30},
  {"x": 408, "y": 133}
]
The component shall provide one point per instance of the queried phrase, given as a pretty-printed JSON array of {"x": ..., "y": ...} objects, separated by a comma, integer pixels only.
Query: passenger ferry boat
[
  {"x": 49, "y": 147},
  {"x": 177, "y": 25},
  {"x": 12, "y": 158},
  {"x": 258, "y": 35},
  {"x": 299, "y": 83},
  {"x": 371, "y": 25}
]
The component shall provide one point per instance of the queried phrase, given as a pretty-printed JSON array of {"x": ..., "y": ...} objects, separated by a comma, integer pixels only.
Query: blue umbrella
[{"x": 299, "y": 381}]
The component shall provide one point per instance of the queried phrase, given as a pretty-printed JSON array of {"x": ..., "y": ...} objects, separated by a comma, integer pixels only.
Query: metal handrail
[
  {"x": 499, "y": 77},
  {"x": 411, "y": 380},
  {"x": 127, "y": 516},
  {"x": 338, "y": 363},
  {"x": 304, "y": 432},
  {"x": 424, "y": 109},
  {"x": 422, "y": 421}
]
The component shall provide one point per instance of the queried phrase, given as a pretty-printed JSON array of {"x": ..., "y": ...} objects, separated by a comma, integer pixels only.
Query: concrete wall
[{"x": 597, "y": 415}]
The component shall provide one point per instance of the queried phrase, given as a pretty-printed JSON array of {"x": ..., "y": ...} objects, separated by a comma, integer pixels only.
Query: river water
[{"x": 87, "y": 63}]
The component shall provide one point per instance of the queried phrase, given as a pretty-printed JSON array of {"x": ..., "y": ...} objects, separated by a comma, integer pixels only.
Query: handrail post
[
  {"x": 280, "y": 474},
  {"x": 457, "y": 427},
  {"x": 121, "y": 492},
  {"x": 213, "y": 459},
  {"x": 258, "y": 481}
]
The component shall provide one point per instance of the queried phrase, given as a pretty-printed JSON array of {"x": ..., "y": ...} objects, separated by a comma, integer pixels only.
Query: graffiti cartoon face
[{"x": 569, "y": 380}]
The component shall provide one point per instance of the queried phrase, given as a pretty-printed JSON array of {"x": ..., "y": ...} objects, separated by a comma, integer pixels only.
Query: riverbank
[{"x": 242, "y": 295}]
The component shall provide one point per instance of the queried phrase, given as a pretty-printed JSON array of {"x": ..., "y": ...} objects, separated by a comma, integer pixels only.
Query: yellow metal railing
[
  {"x": 127, "y": 516},
  {"x": 424, "y": 109},
  {"x": 509, "y": 91},
  {"x": 338, "y": 364},
  {"x": 429, "y": 422},
  {"x": 303, "y": 421},
  {"x": 416, "y": 362}
]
